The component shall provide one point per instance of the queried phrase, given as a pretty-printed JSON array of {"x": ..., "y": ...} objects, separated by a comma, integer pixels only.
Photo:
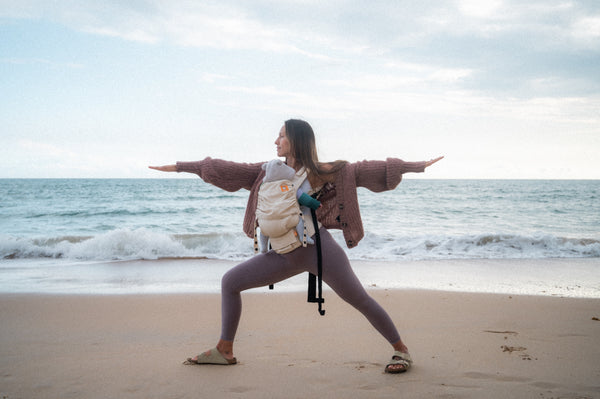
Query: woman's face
[{"x": 283, "y": 144}]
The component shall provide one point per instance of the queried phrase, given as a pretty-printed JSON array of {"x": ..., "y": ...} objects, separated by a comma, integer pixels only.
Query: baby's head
[{"x": 276, "y": 169}]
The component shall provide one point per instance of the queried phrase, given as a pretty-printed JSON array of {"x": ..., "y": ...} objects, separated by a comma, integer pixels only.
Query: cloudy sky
[{"x": 502, "y": 88}]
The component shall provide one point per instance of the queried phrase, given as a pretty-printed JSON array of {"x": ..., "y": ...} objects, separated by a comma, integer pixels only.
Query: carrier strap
[
  {"x": 315, "y": 283},
  {"x": 271, "y": 286}
]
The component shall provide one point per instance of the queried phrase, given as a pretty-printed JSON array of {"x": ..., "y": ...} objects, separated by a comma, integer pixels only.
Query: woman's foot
[
  {"x": 222, "y": 354},
  {"x": 400, "y": 363},
  {"x": 226, "y": 349},
  {"x": 401, "y": 360},
  {"x": 213, "y": 356}
]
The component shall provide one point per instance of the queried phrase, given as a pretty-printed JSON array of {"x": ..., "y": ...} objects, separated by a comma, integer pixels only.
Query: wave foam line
[
  {"x": 125, "y": 244},
  {"x": 480, "y": 246}
]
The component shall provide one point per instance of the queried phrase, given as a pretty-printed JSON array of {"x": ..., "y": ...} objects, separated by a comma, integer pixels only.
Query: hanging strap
[
  {"x": 271, "y": 286},
  {"x": 255, "y": 236},
  {"x": 315, "y": 283}
]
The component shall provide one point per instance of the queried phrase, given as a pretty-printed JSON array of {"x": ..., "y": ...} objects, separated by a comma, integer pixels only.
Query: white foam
[
  {"x": 126, "y": 244},
  {"x": 480, "y": 246},
  {"x": 120, "y": 244}
]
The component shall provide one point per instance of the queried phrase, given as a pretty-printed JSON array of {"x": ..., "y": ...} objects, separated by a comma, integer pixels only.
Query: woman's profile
[{"x": 334, "y": 184}]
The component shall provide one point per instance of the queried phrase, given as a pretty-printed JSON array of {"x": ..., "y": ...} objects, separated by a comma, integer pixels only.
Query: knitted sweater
[{"x": 339, "y": 201}]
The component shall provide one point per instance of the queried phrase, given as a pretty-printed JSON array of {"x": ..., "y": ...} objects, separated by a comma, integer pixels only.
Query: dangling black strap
[
  {"x": 316, "y": 282},
  {"x": 271, "y": 286}
]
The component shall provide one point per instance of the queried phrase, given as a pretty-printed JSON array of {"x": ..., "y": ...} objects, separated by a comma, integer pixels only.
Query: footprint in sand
[{"x": 511, "y": 349}]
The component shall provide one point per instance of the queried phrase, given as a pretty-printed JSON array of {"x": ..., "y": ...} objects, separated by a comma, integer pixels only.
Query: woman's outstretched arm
[{"x": 230, "y": 176}]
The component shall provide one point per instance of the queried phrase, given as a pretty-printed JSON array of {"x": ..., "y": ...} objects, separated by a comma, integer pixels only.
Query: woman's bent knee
[{"x": 229, "y": 283}]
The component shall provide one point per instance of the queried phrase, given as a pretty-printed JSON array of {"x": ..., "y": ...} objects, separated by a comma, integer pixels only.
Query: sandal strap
[
  {"x": 399, "y": 358},
  {"x": 402, "y": 356}
]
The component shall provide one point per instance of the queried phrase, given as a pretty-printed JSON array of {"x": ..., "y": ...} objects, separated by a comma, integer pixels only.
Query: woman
[{"x": 335, "y": 184}]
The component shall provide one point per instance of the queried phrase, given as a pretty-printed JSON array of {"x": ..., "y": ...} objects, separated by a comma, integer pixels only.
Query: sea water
[{"x": 76, "y": 225}]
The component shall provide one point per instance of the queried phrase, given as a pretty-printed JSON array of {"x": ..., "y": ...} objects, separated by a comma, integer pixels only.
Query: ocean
[{"x": 56, "y": 235}]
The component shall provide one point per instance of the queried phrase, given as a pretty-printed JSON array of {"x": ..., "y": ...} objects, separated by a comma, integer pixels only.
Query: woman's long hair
[{"x": 304, "y": 149}]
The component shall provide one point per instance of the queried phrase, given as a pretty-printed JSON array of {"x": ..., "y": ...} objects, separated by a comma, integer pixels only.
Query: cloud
[
  {"x": 479, "y": 8},
  {"x": 220, "y": 25},
  {"x": 533, "y": 25},
  {"x": 586, "y": 31},
  {"x": 217, "y": 26},
  {"x": 40, "y": 61},
  {"x": 136, "y": 35},
  {"x": 307, "y": 27},
  {"x": 213, "y": 77},
  {"x": 434, "y": 94}
]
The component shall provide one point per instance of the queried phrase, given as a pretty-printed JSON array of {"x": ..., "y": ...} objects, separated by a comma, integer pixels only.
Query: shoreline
[
  {"x": 468, "y": 345},
  {"x": 562, "y": 277}
]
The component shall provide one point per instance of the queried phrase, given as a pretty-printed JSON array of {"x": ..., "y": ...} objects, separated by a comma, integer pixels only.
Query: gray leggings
[{"x": 270, "y": 268}]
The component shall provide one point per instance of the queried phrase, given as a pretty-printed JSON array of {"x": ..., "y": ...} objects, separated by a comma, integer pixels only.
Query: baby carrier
[{"x": 278, "y": 214}]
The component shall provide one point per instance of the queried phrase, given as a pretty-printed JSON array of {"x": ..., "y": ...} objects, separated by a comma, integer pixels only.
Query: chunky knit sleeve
[
  {"x": 385, "y": 175},
  {"x": 342, "y": 212},
  {"x": 227, "y": 175}
]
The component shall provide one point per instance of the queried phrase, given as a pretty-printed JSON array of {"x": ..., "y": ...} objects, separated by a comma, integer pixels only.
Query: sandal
[
  {"x": 402, "y": 359},
  {"x": 213, "y": 356}
]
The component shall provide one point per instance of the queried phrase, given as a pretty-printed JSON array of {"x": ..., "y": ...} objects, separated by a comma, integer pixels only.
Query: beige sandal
[
  {"x": 213, "y": 356},
  {"x": 402, "y": 359}
]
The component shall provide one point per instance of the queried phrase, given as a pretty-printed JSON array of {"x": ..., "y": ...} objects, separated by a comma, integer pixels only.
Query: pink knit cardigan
[{"x": 339, "y": 208}]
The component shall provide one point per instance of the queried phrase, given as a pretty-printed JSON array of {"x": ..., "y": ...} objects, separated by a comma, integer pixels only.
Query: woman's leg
[
  {"x": 258, "y": 271},
  {"x": 338, "y": 275}
]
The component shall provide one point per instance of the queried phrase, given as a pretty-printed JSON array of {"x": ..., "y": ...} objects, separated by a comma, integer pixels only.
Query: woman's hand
[
  {"x": 431, "y": 162},
  {"x": 165, "y": 168}
]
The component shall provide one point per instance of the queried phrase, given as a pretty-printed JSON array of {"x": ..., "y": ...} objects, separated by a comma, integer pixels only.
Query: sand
[{"x": 464, "y": 346}]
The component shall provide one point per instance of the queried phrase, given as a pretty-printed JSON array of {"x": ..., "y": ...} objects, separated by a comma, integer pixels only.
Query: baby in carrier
[{"x": 282, "y": 203}]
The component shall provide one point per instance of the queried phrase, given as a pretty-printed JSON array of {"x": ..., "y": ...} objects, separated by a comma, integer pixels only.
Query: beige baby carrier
[{"x": 278, "y": 213}]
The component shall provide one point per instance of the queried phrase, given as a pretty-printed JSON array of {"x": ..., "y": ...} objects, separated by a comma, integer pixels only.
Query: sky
[{"x": 102, "y": 89}]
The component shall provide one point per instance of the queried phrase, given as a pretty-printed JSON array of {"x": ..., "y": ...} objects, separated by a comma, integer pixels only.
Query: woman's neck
[{"x": 291, "y": 162}]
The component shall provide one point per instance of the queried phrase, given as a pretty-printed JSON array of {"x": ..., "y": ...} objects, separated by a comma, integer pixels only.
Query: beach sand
[{"x": 463, "y": 345}]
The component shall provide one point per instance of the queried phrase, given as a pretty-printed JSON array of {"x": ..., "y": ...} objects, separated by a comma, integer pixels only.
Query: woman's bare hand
[
  {"x": 431, "y": 162},
  {"x": 165, "y": 168}
]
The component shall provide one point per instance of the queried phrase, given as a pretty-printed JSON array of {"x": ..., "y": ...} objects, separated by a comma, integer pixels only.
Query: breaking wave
[{"x": 126, "y": 244}]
